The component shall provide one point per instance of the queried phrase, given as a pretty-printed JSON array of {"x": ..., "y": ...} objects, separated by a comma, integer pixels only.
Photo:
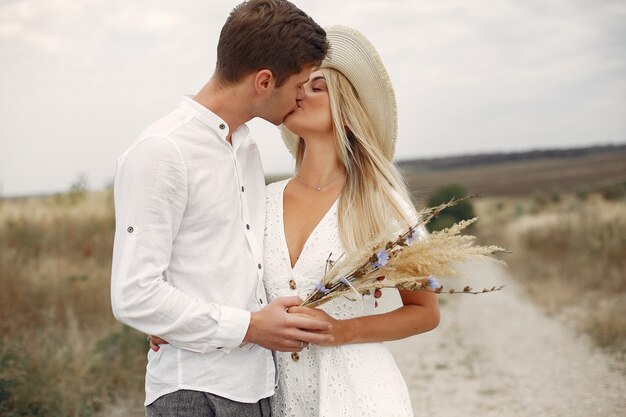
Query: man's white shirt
[{"x": 188, "y": 256}]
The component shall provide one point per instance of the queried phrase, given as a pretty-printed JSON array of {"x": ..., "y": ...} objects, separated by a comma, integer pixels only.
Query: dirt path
[{"x": 499, "y": 355}]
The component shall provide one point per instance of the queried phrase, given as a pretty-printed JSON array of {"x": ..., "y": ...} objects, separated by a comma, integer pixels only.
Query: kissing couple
[{"x": 216, "y": 264}]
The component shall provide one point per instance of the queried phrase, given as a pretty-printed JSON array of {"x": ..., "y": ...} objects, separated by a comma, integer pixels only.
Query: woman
[{"x": 346, "y": 191}]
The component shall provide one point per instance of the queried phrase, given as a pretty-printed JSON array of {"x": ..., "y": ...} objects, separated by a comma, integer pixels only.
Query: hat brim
[{"x": 355, "y": 57}]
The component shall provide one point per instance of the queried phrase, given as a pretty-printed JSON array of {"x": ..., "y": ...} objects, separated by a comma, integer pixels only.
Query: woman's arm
[{"x": 419, "y": 314}]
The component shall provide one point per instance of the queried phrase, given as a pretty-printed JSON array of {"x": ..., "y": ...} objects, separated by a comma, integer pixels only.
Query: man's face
[{"x": 284, "y": 100}]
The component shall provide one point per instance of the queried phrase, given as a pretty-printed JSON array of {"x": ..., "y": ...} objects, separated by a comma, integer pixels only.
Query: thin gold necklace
[{"x": 319, "y": 187}]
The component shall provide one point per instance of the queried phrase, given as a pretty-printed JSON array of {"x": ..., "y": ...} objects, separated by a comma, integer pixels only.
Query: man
[{"x": 190, "y": 215}]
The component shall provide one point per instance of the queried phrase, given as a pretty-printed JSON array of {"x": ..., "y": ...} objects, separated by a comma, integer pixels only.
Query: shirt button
[
  {"x": 261, "y": 300},
  {"x": 222, "y": 126},
  {"x": 295, "y": 357},
  {"x": 130, "y": 229},
  {"x": 242, "y": 189},
  {"x": 259, "y": 266},
  {"x": 219, "y": 347},
  {"x": 248, "y": 226},
  {"x": 292, "y": 284}
]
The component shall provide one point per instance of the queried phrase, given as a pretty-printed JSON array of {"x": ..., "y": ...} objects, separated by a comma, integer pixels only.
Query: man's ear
[{"x": 264, "y": 81}]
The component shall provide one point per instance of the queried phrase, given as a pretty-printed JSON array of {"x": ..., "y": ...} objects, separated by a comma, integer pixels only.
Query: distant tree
[
  {"x": 614, "y": 191},
  {"x": 462, "y": 211}
]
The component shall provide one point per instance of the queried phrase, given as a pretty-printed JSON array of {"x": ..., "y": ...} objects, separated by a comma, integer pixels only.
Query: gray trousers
[{"x": 187, "y": 403}]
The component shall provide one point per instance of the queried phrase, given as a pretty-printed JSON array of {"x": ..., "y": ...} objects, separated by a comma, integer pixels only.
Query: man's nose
[{"x": 300, "y": 95}]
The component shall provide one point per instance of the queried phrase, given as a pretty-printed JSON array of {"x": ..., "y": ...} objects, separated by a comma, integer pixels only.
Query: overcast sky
[{"x": 80, "y": 79}]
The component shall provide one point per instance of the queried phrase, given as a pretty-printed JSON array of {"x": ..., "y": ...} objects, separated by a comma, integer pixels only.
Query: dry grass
[
  {"x": 570, "y": 254},
  {"x": 61, "y": 352}
]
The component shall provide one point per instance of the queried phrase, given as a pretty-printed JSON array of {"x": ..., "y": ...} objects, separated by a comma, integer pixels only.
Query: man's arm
[{"x": 150, "y": 198}]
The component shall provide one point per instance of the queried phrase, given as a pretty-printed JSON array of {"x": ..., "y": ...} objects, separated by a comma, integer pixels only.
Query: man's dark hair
[{"x": 268, "y": 34}]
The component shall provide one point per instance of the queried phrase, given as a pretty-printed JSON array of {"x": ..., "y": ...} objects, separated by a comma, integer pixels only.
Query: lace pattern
[{"x": 335, "y": 381}]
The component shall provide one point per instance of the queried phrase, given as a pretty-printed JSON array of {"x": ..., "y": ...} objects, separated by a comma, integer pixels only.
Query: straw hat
[{"x": 355, "y": 57}]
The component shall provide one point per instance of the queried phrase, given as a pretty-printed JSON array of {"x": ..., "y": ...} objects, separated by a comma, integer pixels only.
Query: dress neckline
[{"x": 283, "y": 235}]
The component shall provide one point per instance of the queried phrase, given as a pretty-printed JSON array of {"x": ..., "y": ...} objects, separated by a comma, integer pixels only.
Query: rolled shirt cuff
[{"x": 232, "y": 328}]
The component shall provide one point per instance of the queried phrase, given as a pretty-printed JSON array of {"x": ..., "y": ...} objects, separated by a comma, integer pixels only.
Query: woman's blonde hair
[{"x": 375, "y": 194}]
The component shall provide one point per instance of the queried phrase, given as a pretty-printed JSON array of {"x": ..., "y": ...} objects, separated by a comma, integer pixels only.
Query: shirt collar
[{"x": 213, "y": 121}]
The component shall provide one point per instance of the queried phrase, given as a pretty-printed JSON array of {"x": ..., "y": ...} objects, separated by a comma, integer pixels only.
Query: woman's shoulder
[{"x": 275, "y": 187}]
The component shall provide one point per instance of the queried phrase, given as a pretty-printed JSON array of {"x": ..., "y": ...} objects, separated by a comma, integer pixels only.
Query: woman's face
[{"x": 312, "y": 115}]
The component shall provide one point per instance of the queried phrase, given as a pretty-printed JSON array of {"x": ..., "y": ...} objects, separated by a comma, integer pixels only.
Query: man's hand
[
  {"x": 340, "y": 330},
  {"x": 276, "y": 329}
]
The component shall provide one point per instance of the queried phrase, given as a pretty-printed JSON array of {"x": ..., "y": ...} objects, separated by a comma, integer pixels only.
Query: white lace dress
[{"x": 327, "y": 381}]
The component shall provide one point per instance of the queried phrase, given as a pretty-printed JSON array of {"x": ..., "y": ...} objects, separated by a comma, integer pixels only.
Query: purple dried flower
[
  {"x": 412, "y": 237},
  {"x": 382, "y": 257},
  {"x": 344, "y": 281},
  {"x": 322, "y": 288},
  {"x": 432, "y": 282}
]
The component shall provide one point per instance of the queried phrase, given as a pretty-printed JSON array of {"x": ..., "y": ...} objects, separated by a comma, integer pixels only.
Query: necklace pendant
[{"x": 319, "y": 188}]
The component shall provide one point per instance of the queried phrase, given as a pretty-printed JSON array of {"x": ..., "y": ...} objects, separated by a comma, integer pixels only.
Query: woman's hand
[
  {"x": 340, "y": 329},
  {"x": 155, "y": 341},
  {"x": 418, "y": 314}
]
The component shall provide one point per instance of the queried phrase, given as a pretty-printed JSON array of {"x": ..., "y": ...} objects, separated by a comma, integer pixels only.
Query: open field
[
  {"x": 565, "y": 221},
  {"x": 61, "y": 351},
  {"x": 569, "y": 257},
  {"x": 524, "y": 178},
  {"x": 63, "y": 354}
]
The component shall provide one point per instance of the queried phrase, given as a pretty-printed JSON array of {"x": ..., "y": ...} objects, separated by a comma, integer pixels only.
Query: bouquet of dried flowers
[{"x": 405, "y": 261}]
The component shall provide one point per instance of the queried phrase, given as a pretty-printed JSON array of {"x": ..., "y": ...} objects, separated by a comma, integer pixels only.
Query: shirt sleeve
[{"x": 150, "y": 199}]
